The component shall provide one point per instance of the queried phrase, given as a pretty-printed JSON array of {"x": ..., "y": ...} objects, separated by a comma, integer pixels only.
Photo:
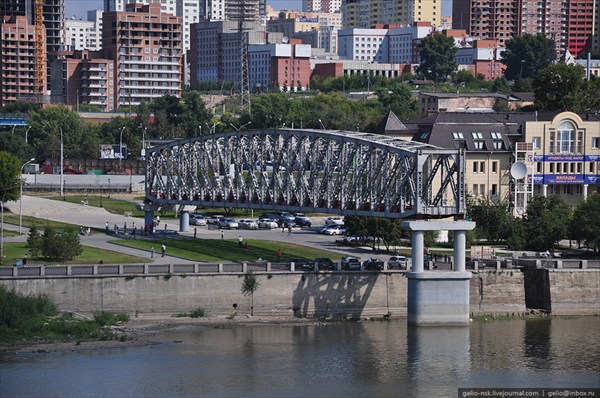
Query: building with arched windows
[{"x": 566, "y": 155}]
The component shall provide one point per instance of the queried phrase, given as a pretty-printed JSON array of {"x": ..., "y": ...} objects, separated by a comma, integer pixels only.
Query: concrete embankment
[{"x": 337, "y": 295}]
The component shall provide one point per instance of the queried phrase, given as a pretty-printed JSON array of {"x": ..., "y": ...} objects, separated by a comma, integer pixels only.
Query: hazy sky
[{"x": 79, "y": 8}]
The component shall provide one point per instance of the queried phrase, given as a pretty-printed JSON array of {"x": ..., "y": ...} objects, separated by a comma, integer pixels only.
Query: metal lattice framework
[{"x": 349, "y": 173}]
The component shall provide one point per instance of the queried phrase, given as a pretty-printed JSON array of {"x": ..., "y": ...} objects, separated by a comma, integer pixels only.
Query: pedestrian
[
  {"x": 195, "y": 232},
  {"x": 125, "y": 227},
  {"x": 89, "y": 231},
  {"x": 133, "y": 232},
  {"x": 163, "y": 249},
  {"x": 279, "y": 254},
  {"x": 116, "y": 229},
  {"x": 152, "y": 252},
  {"x": 133, "y": 225},
  {"x": 240, "y": 241},
  {"x": 222, "y": 235},
  {"x": 289, "y": 229},
  {"x": 106, "y": 227},
  {"x": 282, "y": 228},
  {"x": 25, "y": 260}
]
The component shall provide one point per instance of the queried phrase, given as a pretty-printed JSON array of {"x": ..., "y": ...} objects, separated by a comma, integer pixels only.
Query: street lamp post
[
  {"x": 27, "y": 131},
  {"x": 241, "y": 127},
  {"x": 121, "y": 146},
  {"x": 62, "y": 169},
  {"x": 21, "y": 196},
  {"x": 109, "y": 188},
  {"x": 101, "y": 194}
]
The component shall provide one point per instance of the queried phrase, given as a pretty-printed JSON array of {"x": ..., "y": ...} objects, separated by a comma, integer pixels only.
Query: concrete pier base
[
  {"x": 438, "y": 298},
  {"x": 184, "y": 221}
]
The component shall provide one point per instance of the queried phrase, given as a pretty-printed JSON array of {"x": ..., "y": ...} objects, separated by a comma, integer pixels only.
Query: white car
[
  {"x": 228, "y": 223},
  {"x": 197, "y": 219},
  {"x": 214, "y": 219},
  {"x": 247, "y": 224},
  {"x": 400, "y": 262},
  {"x": 334, "y": 221},
  {"x": 267, "y": 223},
  {"x": 334, "y": 230}
]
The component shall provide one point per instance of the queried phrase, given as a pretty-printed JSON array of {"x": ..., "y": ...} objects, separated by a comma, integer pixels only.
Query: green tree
[
  {"x": 10, "y": 177},
  {"x": 249, "y": 286},
  {"x": 526, "y": 55},
  {"x": 46, "y": 125},
  {"x": 545, "y": 223},
  {"x": 61, "y": 245},
  {"x": 398, "y": 98},
  {"x": 586, "y": 222},
  {"x": 493, "y": 220},
  {"x": 437, "y": 57},
  {"x": 34, "y": 242},
  {"x": 562, "y": 87}
]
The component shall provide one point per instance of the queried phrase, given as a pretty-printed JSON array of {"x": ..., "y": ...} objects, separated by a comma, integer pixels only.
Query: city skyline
[{"x": 79, "y": 8}]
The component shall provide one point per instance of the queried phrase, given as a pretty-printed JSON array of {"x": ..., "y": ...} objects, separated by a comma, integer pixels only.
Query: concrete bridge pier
[
  {"x": 184, "y": 221},
  {"x": 148, "y": 221},
  {"x": 438, "y": 298}
]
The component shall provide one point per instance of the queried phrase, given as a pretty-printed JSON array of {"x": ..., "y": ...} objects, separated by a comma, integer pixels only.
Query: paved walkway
[{"x": 84, "y": 216}]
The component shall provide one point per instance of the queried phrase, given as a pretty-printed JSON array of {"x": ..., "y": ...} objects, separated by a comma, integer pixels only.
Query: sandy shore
[{"x": 150, "y": 329}]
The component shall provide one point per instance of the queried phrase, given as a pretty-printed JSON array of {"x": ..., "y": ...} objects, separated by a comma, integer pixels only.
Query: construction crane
[{"x": 40, "y": 64}]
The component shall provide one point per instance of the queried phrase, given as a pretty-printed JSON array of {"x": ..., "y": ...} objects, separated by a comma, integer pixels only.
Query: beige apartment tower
[{"x": 366, "y": 14}]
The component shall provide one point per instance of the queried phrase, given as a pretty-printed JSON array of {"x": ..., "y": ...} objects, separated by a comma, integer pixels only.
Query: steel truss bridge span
[{"x": 342, "y": 172}]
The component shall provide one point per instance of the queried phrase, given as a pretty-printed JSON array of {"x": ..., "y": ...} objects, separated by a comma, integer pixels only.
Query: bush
[
  {"x": 197, "y": 313},
  {"x": 105, "y": 318}
]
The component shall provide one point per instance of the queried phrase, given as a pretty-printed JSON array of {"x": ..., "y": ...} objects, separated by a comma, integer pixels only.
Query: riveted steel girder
[{"x": 342, "y": 172}]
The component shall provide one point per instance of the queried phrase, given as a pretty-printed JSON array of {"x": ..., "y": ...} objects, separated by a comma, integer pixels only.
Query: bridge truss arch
[{"x": 341, "y": 172}]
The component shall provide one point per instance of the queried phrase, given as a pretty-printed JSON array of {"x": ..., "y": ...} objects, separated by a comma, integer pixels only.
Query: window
[
  {"x": 475, "y": 189},
  {"x": 494, "y": 167},
  {"x": 458, "y": 136},
  {"x": 482, "y": 189},
  {"x": 565, "y": 138},
  {"x": 475, "y": 168},
  {"x": 478, "y": 140},
  {"x": 482, "y": 167},
  {"x": 595, "y": 142},
  {"x": 551, "y": 167},
  {"x": 494, "y": 189}
]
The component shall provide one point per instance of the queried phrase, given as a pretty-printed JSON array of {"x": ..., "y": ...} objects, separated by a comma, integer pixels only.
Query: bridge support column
[
  {"x": 148, "y": 221},
  {"x": 438, "y": 298},
  {"x": 184, "y": 221}
]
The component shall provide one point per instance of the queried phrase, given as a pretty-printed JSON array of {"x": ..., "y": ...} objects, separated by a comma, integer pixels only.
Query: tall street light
[
  {"x": 241, "y": 127},
  {"x": 62, "y": 169},
  {"x": 121, "y": 146},
  {"x": 21, "y": 197}
]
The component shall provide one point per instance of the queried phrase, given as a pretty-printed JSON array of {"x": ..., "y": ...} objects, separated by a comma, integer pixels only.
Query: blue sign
[
  {"x": 307, "y": 20},
  {"x": 564, "y": 179},
  {"x": 565, "y": 158}
]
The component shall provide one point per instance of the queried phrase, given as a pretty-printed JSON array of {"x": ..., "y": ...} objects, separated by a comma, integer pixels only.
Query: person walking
[
  {"x": 279, "y": 254},
  {"x": 240, "y": 241},
  {"x": 106, "y": 227},
  {"x": 152, "y": 252},
  {"x": 163, "y": 249},
  {"x": 222, "y": 235}
]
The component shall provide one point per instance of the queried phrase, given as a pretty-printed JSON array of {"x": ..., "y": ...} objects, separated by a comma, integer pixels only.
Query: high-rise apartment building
[
  {"x": 168, "y": 6},
  {"x": 17, "y": 60},
  {"x": 95, "y": 36},
  {"x": 77, "y": 34},
  {"x": 147, "y": 47},
  {"x": 219, "y": 10},
  {"x": 53, "y": 16},
  {"x": 328, "y": 6},
  {"x": 368, "y": 13},
  {"x": 571, "y": 24}
]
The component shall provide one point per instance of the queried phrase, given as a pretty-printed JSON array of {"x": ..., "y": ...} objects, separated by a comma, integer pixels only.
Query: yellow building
[
  {"x": 566, "y": 155},
  {"x": 368, "y": 13}
]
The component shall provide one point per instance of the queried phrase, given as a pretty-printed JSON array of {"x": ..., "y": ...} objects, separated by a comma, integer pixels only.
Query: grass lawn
[
  {"x": 213, "y": 250},
  {"x": 40, "y": 223},
  {"x": 9, "y": 233},
  {"x": 115, "y": 206},
  {"x": 90, "y": 255}
]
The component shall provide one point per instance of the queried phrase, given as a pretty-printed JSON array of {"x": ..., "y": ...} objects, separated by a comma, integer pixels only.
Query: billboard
[{"x": 112, "y": 151}]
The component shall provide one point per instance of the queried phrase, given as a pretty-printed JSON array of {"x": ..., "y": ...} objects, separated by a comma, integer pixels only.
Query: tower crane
[{"x": 40, "y": 63}]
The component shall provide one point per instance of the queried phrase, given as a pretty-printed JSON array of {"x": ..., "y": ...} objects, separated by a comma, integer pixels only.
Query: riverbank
[{"x": 149, "y": 329}]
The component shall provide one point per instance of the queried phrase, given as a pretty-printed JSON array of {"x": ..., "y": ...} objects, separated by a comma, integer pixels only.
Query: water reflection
[{"x": 383, "y": 359}]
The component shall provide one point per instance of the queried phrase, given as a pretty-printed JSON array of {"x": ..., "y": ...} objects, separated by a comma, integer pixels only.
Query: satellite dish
[{"x": 518, "y": 170}]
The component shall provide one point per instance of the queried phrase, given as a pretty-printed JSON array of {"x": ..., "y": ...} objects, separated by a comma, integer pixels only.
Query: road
[{"x": 96, "y": 217}]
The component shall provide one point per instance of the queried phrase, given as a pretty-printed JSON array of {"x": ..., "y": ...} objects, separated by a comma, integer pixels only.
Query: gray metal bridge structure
[{"x": 341, "y": 172}]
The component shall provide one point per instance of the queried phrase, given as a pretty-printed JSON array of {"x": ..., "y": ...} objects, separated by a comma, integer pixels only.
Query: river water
[{"x": 346, "y": 359}]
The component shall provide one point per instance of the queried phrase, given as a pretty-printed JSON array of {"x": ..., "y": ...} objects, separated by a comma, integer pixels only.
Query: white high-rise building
[
  {"x": 321, "y": 5},
  {"x": 95, "y": 36},
  {"x": 168, "y": 6},
  {"x": 84, "y": 35}
]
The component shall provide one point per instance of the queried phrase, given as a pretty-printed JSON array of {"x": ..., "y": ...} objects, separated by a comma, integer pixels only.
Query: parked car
[
  {"x": 197, "y": 219},
  {"x": 286, "y": 223},
  {"x": 266, "y": 223},
  {"x": 269, "y": 216},
  {"x": 302, "y": 264},
  {"x": 334, "y": 221},
  {"x": 400, "y": 262},
  {"x": 357, "y": 240},
  {"x": 214, "y": 219},
  {"x": 324, "y": 263},
  {"x": 334, "y": 230},
  {"x": 286, "y": 215},
  {"x": 351, "y": 264},
  {"x": 302, "y": 221},
  {"x": 373, "y": 264},
  {"x": 228, "y": 223},
  {"x": 247, "y": 224}
]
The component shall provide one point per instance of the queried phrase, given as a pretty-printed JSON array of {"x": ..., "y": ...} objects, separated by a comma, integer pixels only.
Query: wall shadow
[{"x": 339, "y": 295}]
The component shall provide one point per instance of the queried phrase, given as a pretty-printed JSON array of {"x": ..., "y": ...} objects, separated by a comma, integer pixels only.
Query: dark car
[
  {"x": 302, "y": 222},
  {"x": 302, "y": 264},
  {"x": 269, "y": 216},
  {"x": 373, "y": 264},
  {"x": 286, "y": 223},
  {"x": 351, "y": 264},
  {"x": 324, "y": 263}
]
